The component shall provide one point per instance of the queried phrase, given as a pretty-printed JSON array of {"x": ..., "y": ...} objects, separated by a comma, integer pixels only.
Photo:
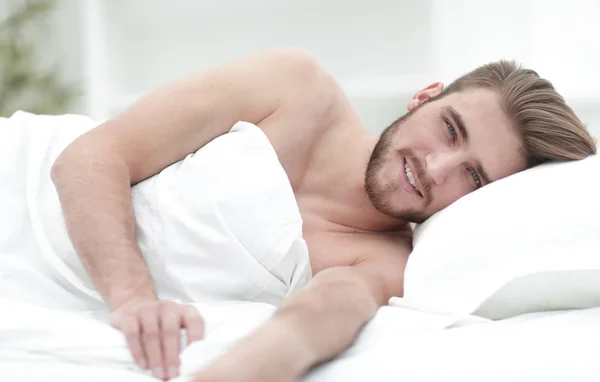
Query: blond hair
[{"x": 548, "y": 127}]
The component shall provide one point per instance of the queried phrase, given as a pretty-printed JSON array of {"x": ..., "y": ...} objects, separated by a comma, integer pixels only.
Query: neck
[{"x": 347, "y": 201}]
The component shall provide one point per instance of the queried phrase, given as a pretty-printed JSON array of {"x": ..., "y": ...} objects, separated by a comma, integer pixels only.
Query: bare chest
[{"x": 328, "y": 243}]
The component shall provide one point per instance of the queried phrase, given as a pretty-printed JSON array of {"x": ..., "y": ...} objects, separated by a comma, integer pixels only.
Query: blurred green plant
[{"x": 27, "y": 80}]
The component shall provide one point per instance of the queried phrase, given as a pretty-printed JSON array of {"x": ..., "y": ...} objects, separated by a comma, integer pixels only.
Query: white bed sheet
[
  {"x": 400, "y": 344},
  {"x": 555, "y": 346}
]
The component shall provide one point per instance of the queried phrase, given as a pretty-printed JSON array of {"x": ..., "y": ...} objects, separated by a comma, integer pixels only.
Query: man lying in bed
[{"x": 356, "y": 192}]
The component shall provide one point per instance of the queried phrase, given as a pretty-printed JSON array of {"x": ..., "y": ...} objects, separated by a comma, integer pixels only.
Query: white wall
[{"x": 380, "y": 50}]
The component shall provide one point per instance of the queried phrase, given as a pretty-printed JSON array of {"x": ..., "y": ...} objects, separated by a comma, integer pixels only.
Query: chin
[
  {"x": 384, "y": 202},
  {"x": 415, "y": 217}
]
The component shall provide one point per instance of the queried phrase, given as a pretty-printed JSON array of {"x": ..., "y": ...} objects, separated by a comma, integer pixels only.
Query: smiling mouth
[{"x": 411, "y": 178}]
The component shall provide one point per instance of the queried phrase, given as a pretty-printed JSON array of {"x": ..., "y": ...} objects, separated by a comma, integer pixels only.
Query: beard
[{"x": 381, "y": 194}]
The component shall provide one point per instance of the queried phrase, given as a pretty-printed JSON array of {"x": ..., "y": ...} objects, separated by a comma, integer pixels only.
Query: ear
[{"x": 425, "y": 94}]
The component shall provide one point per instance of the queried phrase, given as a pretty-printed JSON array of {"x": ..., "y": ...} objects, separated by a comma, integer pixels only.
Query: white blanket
[{"x": 221, "y": 224}]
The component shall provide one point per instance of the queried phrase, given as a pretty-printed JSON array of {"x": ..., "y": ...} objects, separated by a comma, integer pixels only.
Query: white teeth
[{"x": 409, "y": 175}]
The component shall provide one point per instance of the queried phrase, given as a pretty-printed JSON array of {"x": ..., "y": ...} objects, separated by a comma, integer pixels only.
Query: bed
[{"x": 503, "y": 285}]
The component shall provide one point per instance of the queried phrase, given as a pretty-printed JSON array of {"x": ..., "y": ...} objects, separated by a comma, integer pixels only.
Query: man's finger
[
  {"x": 193, "y": 323},
  {"x": 170, "y": 325},
  {"x": 151, "y": 342},
  {"x": 130, "y": 326}
]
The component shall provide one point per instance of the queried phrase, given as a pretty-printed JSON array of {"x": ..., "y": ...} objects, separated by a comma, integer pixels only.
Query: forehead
[{"x": 492, "y": 138}]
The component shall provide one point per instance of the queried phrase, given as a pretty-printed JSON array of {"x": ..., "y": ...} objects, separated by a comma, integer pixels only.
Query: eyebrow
[{"x": 460, "y": 124}]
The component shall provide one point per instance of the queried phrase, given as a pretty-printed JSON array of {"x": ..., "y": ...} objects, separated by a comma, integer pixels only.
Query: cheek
[
  {"x": 415, "y": 140},
  {"x": 421, "y": 134},
  {"x": 429, "y": 135}
]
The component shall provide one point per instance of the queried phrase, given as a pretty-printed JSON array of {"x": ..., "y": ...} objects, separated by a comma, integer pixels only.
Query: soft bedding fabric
[
  {"x": 399, "y": 344},
  {"x": 527, "y": 243},
  {"x": 221, "y": 224},
  {"x": 53, "y": 328}
]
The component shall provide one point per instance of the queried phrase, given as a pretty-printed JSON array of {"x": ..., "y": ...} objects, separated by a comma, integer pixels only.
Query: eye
[
  {"x": 451, "y": 130},
  {"x": 476, "y": 178}
]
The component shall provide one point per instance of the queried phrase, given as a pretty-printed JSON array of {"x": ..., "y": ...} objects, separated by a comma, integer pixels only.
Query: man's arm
[
  {"x": 94, "y": 174},
  {"x": 319, "y": 322}
]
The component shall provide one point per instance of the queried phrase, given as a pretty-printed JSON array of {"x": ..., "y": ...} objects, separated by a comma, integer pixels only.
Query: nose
[{"x": 441, "y": 164}]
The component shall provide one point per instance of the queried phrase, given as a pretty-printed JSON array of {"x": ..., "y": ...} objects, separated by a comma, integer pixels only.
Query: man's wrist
[
  {"x": 122, "y": 298},
  {"x": 295, "y": 349},
  {"x": 274, "y": 352}
]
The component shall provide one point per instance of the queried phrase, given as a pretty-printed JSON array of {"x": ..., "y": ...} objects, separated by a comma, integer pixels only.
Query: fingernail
[
  {"x": 158, "y": 373},
  {"x": 172, "y": 372},
  {"x": 142, "y": 364}
]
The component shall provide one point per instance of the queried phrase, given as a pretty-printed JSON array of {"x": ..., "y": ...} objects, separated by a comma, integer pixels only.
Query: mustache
[{"x": 419, "y": 169}]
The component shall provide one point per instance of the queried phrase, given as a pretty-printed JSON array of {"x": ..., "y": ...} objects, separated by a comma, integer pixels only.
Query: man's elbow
[
  {"x": 81, "y": 161},
  {"x": 61, "y": 168},
  {"x": 66, "y": 165},
  {"x": 345, "y": 285}
]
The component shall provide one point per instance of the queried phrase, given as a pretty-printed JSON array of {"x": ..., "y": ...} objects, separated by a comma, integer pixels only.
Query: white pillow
[{"x": 527, "y": 243}]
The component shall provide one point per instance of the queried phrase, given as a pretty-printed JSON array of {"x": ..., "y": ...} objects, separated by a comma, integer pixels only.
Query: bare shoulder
[
  {"x": 314, "y": 105},
  {"x": 312, "y": 93}
]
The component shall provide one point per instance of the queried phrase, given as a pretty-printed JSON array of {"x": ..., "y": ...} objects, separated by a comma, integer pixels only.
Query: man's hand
[{"x": 152, "y": 330}]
